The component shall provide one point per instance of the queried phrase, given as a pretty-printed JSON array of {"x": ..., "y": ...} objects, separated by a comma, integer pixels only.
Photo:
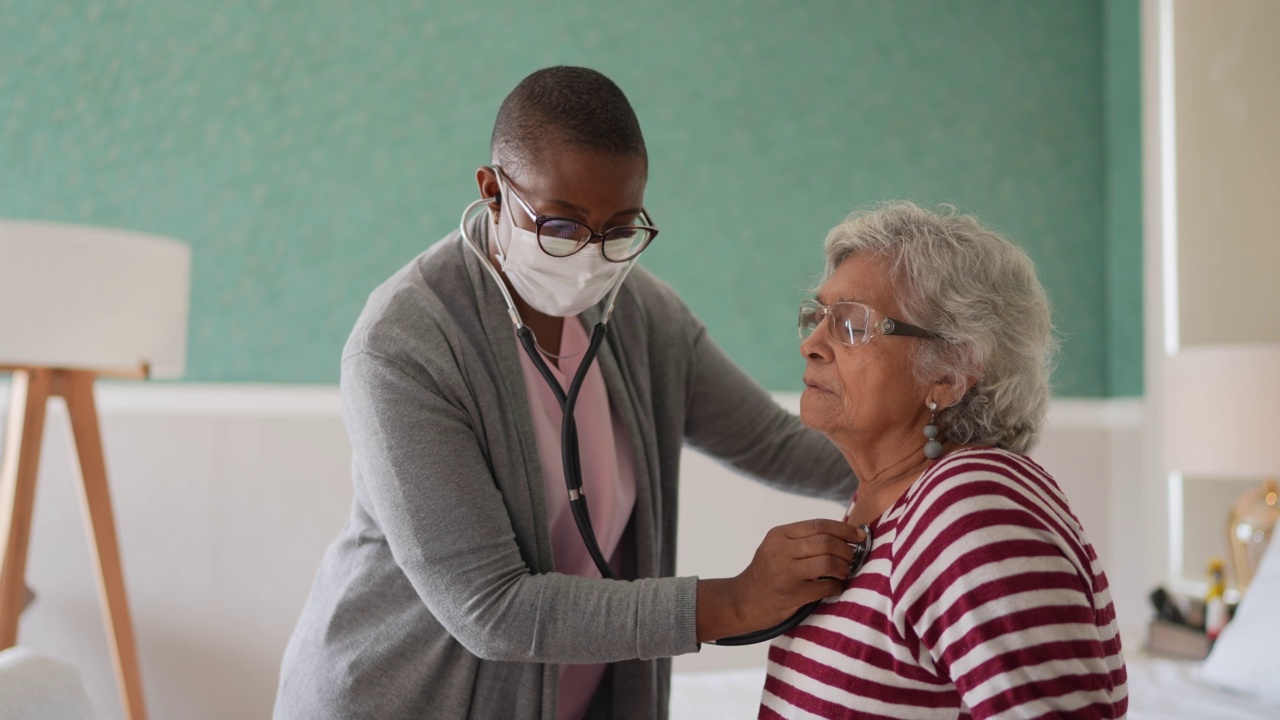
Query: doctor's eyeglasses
[
  {"x": 562, "y": 237},
  {"x": 854, "y": 323}
]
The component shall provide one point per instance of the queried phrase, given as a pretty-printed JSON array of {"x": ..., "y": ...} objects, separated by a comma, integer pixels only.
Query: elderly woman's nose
[{"x": 815, "y": 347}]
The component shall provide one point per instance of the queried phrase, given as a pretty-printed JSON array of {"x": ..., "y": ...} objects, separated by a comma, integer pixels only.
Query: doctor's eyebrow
[{"x": 584, "y": 212}]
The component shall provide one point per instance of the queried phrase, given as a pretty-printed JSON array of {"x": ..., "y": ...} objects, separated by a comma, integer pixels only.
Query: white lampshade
[
  {"x": 1223, "y": 405},
  {"x": 79, "y": 297}
]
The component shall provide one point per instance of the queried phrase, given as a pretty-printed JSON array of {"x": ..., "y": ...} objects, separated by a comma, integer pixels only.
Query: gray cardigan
[{"x": 438, "y": 600}]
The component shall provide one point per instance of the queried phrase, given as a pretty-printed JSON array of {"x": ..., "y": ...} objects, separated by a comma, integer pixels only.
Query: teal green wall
[
  {"x": 308, "y": 149},
  {"x": 1123, "y": 219}
]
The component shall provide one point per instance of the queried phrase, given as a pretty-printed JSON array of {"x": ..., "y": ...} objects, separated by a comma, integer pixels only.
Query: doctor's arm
[
  {"x": 425, "y": 479},
  {"x": 733, "y": 418}
]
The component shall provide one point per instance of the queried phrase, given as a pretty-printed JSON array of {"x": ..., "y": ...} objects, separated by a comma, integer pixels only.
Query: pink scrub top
[{"x": 608, "y": 481}]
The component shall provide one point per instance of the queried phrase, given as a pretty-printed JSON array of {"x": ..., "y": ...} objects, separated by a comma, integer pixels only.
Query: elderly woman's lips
[{"x": 814, "y": 386}]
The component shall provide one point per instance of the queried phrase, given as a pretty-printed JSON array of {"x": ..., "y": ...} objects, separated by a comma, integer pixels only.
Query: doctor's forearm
[{"x": 719, "y": 613}]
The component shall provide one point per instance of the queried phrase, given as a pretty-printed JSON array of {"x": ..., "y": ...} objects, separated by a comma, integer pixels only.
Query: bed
[{"x": 1160, "y": 688}]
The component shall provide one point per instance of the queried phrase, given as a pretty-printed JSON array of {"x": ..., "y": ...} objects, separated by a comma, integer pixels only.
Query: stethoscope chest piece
[{"x": 861, "y": 552}]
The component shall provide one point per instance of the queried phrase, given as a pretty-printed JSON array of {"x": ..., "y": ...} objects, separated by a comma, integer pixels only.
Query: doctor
[{"x": 460, "y": 587}]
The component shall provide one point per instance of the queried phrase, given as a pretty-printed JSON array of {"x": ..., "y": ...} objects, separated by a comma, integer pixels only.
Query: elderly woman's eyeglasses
[
  {"x": 562, "y": 237},
  {"x": 854, "y": 323}
]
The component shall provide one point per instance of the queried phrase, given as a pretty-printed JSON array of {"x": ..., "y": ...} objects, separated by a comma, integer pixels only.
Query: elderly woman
[{"x": 928, "y": 358}]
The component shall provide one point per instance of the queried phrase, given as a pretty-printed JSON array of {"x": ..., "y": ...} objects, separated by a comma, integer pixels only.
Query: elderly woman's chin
[{"x": 818, "y": 408}]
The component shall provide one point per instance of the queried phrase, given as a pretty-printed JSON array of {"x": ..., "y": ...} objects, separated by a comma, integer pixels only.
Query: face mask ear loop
[
  {"x": 502, "y": 193},
  {"x": 484, "y": 260},
  {"x": 617, "y": 285}
]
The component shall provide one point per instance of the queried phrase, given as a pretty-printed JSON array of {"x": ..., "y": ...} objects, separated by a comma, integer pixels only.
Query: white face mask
[{"x": 556, "y": 286}]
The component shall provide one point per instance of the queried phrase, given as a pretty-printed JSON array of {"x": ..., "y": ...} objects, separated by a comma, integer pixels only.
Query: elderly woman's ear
[{"x": 948, "y": 391}]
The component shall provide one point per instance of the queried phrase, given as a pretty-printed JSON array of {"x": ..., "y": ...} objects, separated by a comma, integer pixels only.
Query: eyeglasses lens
[
  {"x": 851, "y": 322},
  {"x": 810, "y": 316},
  {"x": 566, "y": 237},
  {"x": 562, "y": 237},
  {"x": 848, "y": 321},
  {"x": 624, "y": 243}
]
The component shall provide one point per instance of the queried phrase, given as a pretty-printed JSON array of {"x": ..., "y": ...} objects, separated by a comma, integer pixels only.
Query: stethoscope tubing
[{"x": 569, "y": 455}]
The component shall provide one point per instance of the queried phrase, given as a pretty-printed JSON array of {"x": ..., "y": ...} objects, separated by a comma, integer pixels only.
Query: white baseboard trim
[{"x": 279, "y": 400}]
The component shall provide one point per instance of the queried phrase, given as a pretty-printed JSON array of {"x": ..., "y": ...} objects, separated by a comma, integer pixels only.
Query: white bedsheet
[
  {"x": 1159, "y": 689},
  {"x": 1167, "y": 689},
  {"x": 727, "y": 694}
]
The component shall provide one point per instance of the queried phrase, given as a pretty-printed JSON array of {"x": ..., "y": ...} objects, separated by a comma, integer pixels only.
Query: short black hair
[{"x": 567, "y": 106}]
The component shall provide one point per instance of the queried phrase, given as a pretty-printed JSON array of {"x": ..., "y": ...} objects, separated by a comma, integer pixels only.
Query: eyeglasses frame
[
  {"x": 539, "y": 220},
  {"x": 885, "y": 326}
]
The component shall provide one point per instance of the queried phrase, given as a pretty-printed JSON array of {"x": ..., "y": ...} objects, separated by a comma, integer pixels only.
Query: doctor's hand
[{"x": 794, "y": 565}]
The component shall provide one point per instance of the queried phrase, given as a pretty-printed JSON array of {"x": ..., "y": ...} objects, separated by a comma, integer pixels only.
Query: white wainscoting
[{"x": 226, "y": 496}]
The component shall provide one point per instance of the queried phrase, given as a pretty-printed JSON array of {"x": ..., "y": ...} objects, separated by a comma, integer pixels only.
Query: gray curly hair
[{"x": 980, "y": 293}]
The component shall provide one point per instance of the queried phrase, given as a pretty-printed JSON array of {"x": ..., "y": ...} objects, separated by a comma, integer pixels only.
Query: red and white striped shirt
[{"x": 981, "y": 598}]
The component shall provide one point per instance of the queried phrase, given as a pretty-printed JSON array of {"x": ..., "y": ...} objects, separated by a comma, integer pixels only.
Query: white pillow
[
  {"x": 1246, "y": 656},
  {"x": 34, "y": 687}
]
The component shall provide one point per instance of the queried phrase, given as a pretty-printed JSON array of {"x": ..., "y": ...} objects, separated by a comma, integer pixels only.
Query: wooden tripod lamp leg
[
  {"x": 77, "y": 389},
  {"x": 19, "y": 462}
]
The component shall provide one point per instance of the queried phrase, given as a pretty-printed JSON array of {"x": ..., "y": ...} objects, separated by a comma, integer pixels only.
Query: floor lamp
[{"x": 79, "y": 303}]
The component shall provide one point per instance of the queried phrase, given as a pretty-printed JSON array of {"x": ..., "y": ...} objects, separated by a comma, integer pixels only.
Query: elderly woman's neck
[{"x": 883, "y": 476}]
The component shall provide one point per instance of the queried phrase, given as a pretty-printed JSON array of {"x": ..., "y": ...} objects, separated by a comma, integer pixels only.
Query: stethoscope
[{"x": 568, "y": 401}]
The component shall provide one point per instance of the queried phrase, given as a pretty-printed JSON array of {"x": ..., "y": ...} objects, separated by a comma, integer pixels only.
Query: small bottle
[{"x": 1215, "y": 604}]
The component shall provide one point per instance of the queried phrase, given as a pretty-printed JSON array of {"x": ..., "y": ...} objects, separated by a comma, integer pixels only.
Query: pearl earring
[{"x": 932, "y": 448}]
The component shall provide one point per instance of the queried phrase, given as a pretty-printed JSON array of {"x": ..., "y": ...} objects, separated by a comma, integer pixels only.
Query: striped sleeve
[{"x": 994, "y": 586}]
